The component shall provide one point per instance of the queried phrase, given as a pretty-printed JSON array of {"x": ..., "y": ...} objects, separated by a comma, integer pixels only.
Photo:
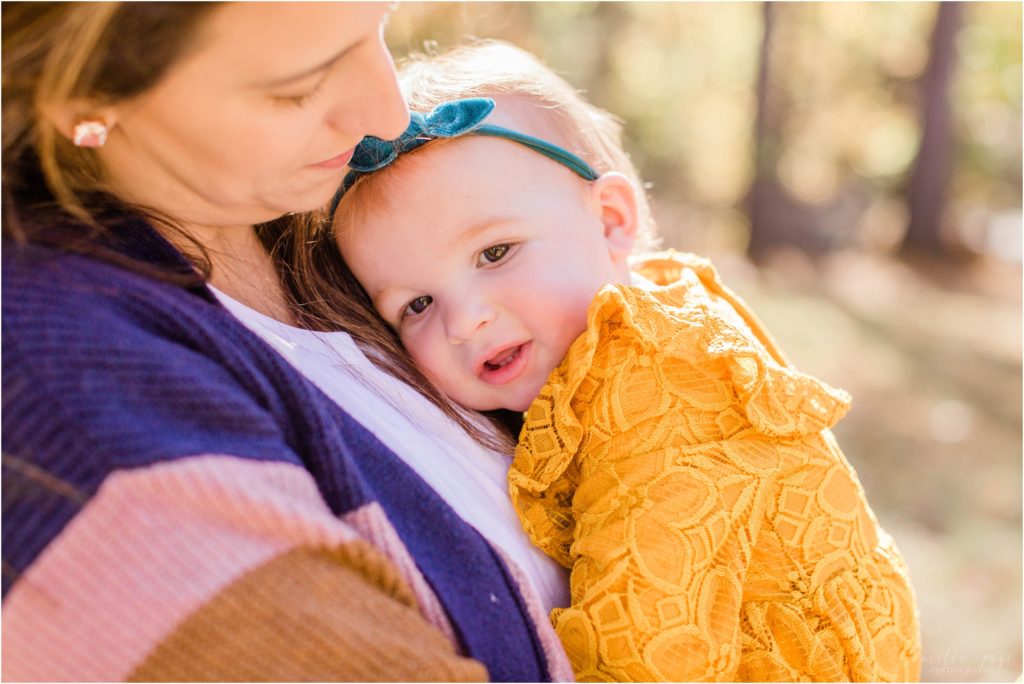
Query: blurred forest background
[{"x": 854, "y": 170}]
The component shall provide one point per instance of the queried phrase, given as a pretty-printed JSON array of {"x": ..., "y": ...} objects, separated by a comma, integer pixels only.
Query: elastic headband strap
[
  {"x": 448, "y": 120},
  {"x": 549, "y": 150}
]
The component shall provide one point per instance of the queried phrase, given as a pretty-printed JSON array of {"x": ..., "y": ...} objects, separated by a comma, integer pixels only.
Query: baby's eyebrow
[{"x": 479, "y": 227}]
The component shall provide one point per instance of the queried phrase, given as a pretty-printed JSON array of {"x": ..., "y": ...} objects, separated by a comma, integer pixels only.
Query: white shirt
[{"x": 469, "y": 477}]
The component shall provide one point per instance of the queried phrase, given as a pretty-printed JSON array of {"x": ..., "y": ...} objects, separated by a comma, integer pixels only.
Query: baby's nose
[{"x": 465, "y": 321}]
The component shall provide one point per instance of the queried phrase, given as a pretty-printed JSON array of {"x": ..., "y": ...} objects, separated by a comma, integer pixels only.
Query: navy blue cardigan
[{"x": 107, "y": 371}]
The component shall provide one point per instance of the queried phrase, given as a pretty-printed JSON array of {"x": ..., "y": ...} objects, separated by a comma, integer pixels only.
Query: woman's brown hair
[{"x": 55, "y": 53}]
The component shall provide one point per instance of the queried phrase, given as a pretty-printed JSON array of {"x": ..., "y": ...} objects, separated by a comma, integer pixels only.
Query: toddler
[{"x": 670, "y": 456}]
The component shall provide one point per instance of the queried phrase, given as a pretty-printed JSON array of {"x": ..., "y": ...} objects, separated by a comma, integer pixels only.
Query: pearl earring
[{"x": 90, "y": 133}]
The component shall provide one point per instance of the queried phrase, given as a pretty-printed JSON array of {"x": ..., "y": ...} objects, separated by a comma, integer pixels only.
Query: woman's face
[{"x": 260, "y": 117}]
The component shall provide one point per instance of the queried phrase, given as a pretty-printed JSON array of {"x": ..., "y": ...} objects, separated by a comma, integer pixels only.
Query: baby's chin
[
  {"x": 517, "y": 401},
  {"x": 521, "y": 402},
  {"x": 518, "y": 405}
]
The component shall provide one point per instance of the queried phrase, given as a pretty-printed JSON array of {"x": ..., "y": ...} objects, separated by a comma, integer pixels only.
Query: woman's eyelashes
[
  {"x": 495, "y": 253},
  {"x": 304, "y": 98}
]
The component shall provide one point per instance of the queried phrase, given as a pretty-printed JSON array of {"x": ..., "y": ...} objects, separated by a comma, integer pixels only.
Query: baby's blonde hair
[{"x": 492, "y": 68}]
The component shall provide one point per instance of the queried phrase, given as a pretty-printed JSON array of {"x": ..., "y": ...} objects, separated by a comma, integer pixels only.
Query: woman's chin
[{"x": 308, "y": 199}]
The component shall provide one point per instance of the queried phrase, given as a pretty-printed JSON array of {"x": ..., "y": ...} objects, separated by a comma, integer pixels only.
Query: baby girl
[{"x": 670, "y": 456}]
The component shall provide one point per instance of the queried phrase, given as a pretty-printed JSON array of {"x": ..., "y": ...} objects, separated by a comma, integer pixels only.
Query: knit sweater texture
[{"x": 180, "y": 503}]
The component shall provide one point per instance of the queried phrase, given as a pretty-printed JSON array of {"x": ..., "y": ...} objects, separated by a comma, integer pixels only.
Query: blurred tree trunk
[
  {"x": 611, "y": 18},
  {"x": 759, "y": 200},
  {"x": 776, "y": 217},
  {"x": 926, "y": 191}
]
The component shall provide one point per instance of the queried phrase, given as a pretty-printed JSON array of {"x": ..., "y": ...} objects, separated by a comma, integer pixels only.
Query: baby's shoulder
[
  {"x": 668, "y": 267},
  {"x": 698, "y": 341},
  {"x": 677, "y": 301}
]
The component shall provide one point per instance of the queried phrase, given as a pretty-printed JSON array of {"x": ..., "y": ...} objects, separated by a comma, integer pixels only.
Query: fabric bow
[{"x": 448, "y": 120}]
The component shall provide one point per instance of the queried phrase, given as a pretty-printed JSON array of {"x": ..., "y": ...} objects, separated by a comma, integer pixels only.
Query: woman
[{"x": 180, "y": 502}]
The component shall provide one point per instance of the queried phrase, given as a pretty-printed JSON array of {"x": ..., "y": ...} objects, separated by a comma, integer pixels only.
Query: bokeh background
[{"x": 854, "y": 170}]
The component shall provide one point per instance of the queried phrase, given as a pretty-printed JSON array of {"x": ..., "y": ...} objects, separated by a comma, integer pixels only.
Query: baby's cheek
[
  {"x": 423, "y": 355},
  {"x": 575, "y": 305},
  {"x": 426, "y": 356},
  {"x": 576, "y": 324},
  {"x": 435, "y": 363}
]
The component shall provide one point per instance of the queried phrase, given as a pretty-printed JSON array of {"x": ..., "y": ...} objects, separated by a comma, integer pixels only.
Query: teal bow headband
[{"x": 448, "y": 120}]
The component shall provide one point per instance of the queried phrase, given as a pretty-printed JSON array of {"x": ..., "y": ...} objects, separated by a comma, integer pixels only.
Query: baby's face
[{"x": 484, "y": 257}]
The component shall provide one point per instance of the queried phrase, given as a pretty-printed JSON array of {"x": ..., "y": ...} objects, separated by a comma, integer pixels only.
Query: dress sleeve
[{"x": 647, "y": 465}]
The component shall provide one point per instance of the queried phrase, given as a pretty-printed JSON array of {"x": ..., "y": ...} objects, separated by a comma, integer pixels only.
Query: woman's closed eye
[
  {"x": 310, "y": 91},
  {"x": 301, "y": 99},
  {"x": 417, "y": 306},
  {"x": 496, "y": 253}
]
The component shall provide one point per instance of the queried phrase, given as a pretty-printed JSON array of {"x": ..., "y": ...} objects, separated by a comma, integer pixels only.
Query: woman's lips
[
  {"x": 335, "y": 163},
  {"x": 506, "y": 365}
]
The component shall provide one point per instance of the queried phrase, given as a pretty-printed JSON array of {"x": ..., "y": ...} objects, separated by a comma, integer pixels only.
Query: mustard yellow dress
[{"x": 686, "y": 473}]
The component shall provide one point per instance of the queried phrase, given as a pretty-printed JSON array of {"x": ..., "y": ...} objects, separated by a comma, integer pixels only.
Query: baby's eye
[
  {"x": 494, "y": 254},
  {"x": 418, "y": 305}
]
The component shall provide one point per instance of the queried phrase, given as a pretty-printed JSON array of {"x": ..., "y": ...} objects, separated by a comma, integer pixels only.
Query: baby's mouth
[
  {"x": 503, "y": 358},
  {"x": 506, "y": 365}
]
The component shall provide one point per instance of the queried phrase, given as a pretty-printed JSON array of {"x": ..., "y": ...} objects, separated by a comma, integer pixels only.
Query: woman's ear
[
  {"x": 615, "y": 199},
  {"x": 66, "y": 116}
]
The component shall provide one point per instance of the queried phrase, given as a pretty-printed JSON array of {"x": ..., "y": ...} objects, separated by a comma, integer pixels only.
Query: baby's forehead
[
  {"x": 531, "y": 117},
  {"x": 431, "y": 197},
  {"x": 468, "y": 162}
]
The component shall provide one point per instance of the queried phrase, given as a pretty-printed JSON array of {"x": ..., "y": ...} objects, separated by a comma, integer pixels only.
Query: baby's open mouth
[
  {"x": 506, "y": 365},
  {"x": 503, "y": 358}
]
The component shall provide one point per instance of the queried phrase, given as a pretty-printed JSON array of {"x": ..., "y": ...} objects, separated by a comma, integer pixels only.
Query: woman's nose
[
  {"x": 392, "y": 113},
  {"x": 465, "y": 320},
  {"x": 385, "y": 114},
  {"x": 371, "y": 103}
]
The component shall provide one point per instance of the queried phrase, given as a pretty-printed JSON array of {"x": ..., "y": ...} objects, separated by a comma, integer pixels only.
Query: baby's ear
[{"x": 615, "y": 198}]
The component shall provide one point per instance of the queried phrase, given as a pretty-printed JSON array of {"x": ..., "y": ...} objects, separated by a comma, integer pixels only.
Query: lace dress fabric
[{"x": 686, "y": 474}]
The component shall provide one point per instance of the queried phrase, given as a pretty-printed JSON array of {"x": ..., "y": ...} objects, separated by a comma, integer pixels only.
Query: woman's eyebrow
[{"x": 285, "y": 80}]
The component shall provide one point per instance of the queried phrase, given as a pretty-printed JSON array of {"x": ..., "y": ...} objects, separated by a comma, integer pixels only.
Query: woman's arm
[
  {"x": 166, "y": 506},
  {"x": 215, "y": 568}
]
